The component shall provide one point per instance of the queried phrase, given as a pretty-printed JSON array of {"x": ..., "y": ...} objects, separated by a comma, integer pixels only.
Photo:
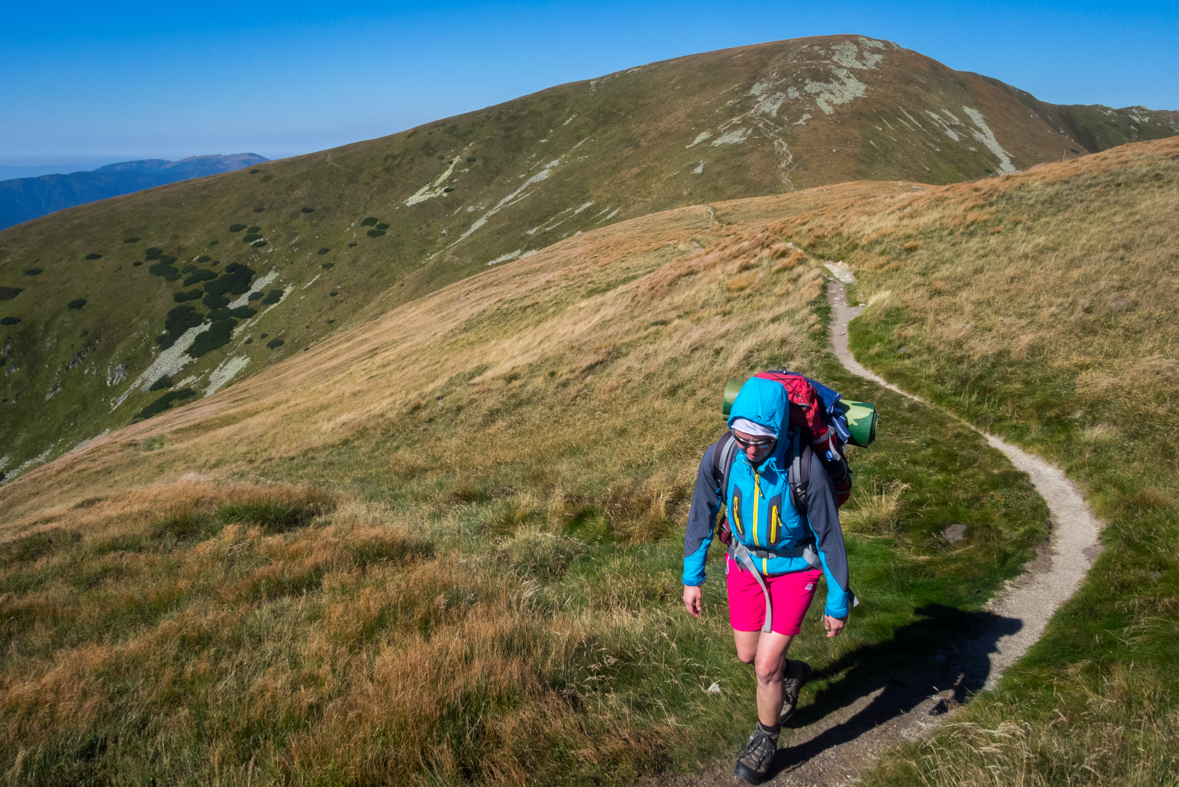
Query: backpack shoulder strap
[
  {"x": 722, "y": 461},
  {"x": 799, "y": 477}
]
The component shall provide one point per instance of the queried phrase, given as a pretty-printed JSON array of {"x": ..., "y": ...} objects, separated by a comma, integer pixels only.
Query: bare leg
[{"x": 767, "y": 654}]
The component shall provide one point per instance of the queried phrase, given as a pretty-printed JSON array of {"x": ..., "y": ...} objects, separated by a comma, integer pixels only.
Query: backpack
[{"x": 820, "y": 423}]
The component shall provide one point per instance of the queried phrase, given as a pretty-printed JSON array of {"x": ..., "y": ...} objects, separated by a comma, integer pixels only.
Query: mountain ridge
[
  {"x": 353, "y": 231},
  {"x": 24, "y": 199}
]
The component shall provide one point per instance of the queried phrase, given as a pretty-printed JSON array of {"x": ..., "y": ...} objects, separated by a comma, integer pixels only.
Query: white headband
[{"x": 749, "y": 427}]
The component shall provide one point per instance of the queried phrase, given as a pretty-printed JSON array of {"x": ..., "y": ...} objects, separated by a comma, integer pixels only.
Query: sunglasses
[{"x": 756, "y": 445}]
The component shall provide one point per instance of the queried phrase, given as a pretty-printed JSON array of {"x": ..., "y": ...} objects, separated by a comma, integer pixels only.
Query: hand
[
  {"x": 693, "y": 600},
  {"x": 833, "y": 625}
]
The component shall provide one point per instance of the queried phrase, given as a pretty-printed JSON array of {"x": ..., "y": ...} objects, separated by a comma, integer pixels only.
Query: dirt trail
[{"x": 879, "y": 702}]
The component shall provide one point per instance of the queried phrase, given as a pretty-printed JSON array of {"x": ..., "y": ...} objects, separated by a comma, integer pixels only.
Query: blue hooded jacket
[{"x": 758, "y": 504}]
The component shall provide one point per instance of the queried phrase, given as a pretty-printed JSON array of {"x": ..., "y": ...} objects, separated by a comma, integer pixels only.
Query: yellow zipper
[{"x": 756, "y": 495}]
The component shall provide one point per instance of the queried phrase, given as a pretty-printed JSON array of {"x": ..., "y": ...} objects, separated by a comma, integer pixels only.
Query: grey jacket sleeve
[
  {"x": 701, "y": 519},
  {"x": 823, "y": 516}
]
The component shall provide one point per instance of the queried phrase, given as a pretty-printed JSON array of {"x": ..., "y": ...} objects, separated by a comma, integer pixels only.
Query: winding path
[{"x": 895, "y": 702}]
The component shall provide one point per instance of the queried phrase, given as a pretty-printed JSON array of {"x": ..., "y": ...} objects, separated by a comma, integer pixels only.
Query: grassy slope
[
  {"x": 1097, "y": 127},
  {"x": 517, "y": 177},
  {"x": 1041, "y": 306},
  {"x": 444, "y": 546}
]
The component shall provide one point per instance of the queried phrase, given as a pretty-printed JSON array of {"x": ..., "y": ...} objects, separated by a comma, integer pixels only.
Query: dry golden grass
[{"x": 509, "y": 423}]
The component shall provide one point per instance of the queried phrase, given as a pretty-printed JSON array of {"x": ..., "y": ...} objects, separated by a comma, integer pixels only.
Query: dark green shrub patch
[
  {"x": 370, "y": 221},
  {"x": 203, "y": 258},
  {"x": 236, "y": 227},
  {"x": 168, "y": 260},
  {"x": 260, "y": 243},
  {"x": 253, "y": 236},
  {"x": 255, "y": 296},
  {"x": 214, "y": 243},
  {"x": 272, "y": 297},
  {"x": 153, "y": 253},
  {"x": 472, "y": 160},
  {"x": 350, "y": 245},
  {"x": 199, "y": 275},
  {"x": 242, "y": 312},
  {"x": 132, "y": 239},
  {"x": 333, "y": 294},
  {"x": 167, "y": 272},
  {"x": 327, "y": 266},
  {"x": 187, "y": 295},
  {"x": 218, "y": 335},
  {"x": 255, "y": 228},
  {"x": 161, "y": 384},
  {"x": 218, "y": 315},
  {"x": 34, "y": 271},
  {"x": 188, "y": 268},
  {"x": 235, "y": 279},
  {"x": 136, "y": 264},
  {"x": 163, "y": 403},
  {"x": 375, "y": 233},
  {"x": 275, "y": 343},
  {"x": 382, "y": 226},
  {"x": 263, "y": 336},
  {"x": 255, "y": 171},
  {"x": 8, "y": 293},
  {"x": 306, "y": 210},
  {"x": 165, "y": 340},
  {"x": 9, "y": 321},
  {"x": 447, "y": 190},
  {"x": 181, "y": 318},
  {"x": 215, "y": 302},
  {"x": 249, "y": 340},
  {"x": 323, "y": 251},
  {"x": 76, "y": 304},
  {"x": 94, "y": 256}
]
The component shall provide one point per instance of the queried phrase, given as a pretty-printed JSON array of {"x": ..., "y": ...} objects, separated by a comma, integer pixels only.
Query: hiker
[{"x": 788, "y": 549}]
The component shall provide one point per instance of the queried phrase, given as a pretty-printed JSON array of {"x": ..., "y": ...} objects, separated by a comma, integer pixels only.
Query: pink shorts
[{"x": 791, "y": 595}]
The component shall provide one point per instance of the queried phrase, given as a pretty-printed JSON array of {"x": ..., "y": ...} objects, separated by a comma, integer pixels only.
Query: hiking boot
[
  {"x": 753, "y": 764},
  {"x": 796, "y": 674}
]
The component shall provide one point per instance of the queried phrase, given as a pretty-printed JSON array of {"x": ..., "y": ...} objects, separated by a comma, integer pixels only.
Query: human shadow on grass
[{"x": 946, "y": 649}]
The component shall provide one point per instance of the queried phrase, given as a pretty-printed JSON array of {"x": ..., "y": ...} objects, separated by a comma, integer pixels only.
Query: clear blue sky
[{"x": 82, "y": 83}]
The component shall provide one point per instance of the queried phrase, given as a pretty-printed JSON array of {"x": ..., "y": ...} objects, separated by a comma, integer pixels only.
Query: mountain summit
[{"x": 122, "y": 308}]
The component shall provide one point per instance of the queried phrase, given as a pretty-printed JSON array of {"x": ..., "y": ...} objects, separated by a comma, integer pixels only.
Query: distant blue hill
[{"x": 27, "y": 198}]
